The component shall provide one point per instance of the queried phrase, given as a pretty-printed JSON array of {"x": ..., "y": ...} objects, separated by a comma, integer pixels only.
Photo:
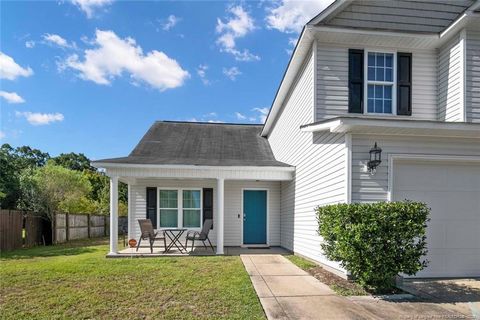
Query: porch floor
[{"x": 197, "y": 251}]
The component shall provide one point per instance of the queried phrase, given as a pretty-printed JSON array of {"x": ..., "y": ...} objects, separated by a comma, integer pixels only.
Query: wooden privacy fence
[
  {"x": 11, "y": 229},
  {"x": 26, "y": 229},
  {"x": 23, "y": 229},
  {"x": 81, "y": 226}
]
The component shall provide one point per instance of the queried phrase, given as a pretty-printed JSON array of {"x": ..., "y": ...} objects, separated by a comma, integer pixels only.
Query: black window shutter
[
  {"x": 404, "y": 84},
  {"x": 152, "y": 205},
  {"x": 355, "y": 81},
  {"x": 207, "y": 204}
]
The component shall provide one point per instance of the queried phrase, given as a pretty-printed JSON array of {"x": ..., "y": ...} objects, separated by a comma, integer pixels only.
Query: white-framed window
[
  {"x": 168, "y": 210},
  {"x": 380, "y": 82},
  {"x": 179, "y": 208},
  {"x": 192, "y": 210}
]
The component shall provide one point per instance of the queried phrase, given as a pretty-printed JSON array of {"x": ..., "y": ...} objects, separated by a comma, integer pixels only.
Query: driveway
[
  {"x": 460, "y": 295},
  {"x": 287, "y": 292}
]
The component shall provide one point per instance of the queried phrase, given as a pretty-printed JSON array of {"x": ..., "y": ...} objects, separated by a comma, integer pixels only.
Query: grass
[
  {"x": 75, "y": 281},
  {"x": 341, "y": 286},
  {"x": 301, "y": 263}
]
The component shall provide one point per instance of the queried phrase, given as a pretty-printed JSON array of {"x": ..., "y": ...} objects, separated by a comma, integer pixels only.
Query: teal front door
[{"x": 254, "y": 217}]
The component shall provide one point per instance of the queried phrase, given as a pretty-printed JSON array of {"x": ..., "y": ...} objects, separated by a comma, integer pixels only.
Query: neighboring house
[{"x": 402, "y": 74}]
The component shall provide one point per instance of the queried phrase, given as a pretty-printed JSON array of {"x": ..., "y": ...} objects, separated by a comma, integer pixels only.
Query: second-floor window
[{"x": 380, "y": 82}]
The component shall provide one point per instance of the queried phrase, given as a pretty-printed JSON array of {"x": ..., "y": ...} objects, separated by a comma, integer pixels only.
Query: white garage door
[{"x": 452, "y": 190}]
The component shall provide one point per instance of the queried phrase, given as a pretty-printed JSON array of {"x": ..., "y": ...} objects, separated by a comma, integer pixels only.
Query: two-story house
[{"x": 401, "y": 75}]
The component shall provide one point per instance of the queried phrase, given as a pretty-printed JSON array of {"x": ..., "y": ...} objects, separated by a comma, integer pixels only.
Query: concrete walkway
[{"x": 287, "y": 292}]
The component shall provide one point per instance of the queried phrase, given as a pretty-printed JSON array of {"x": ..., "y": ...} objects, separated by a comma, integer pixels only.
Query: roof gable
[
  {"x": 207, "y": 144},
  {"x": 400, "y": 15}
]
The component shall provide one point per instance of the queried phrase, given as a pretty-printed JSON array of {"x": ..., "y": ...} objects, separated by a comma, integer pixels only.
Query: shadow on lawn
[{"x": 67, "y": 249}]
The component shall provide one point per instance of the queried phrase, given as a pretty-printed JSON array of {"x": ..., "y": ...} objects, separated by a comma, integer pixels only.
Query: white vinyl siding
[
  {"x": 472, "y": 96},
  {"x": 416, "y": 16},
  {"x": 233, "y": 198},
  {"x": 368, "y": 188},
  {"x": 320, "y": 168},
  {"x": 332, "y": 81},
  {"x": 451, "y": 80}
]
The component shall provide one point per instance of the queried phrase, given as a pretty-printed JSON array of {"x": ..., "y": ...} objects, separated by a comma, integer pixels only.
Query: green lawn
[{"x": 77, "y": 281}]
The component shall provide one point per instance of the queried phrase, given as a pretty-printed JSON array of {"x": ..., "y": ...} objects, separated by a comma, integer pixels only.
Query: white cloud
[
  {"x": 240, "y": 116},
  {"x": 262, "y": 113},
  {"x": 237, "y": 26},
  {"x": 232, "y": 73},
  {"x": 40, "y": 119},
  {"x": 170, "y": 22},
  {"x": 292, "y": 42},
  {"x": 10, "y": 70},
  {"x": 57, "y": 40},
  {"x": 2, "y": 135},
  {"x": 89, "y": 6},
  {"x": 113, "y": 56},
  {"x": 205, "y": 118},
  {"x": 29, "y": 44},
  {"x": 202, "y": 73},
  {"x": 11, "y": 97},
  {"x": 291, "y": 15}
]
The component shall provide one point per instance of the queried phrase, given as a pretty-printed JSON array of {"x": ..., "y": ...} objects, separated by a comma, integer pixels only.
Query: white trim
[
  {"x": 252, "y": 173},
  {"x": 463, "y": 73},
  {"x": 431, "y": 36},
  {"x": 348, "y": 168},
  {"x": 350, "y": 124},
  {"x": 267, "y": 218},
  {"x": 295, "y": 65},
  {"x": 100, "y": 164},
  {"x": 422, "y": 157},
  {"x": 180, "y": 207},
  {"x": 384, "y": 83},
  {"x": 315, "y": 77},
  {"x": 330, "y": 11}
]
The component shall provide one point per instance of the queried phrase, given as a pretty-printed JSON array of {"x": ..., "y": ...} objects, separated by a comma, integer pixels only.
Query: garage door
[{"x": 452, "y": 190}]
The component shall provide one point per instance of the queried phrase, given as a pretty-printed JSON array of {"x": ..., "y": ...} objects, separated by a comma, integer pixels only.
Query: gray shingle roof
[{"x": 194, "y": 143}]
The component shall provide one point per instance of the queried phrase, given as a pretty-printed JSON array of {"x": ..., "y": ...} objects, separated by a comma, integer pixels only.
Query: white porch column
[
  {"x": 220, "y": 214},
  {"x": 113, "y": 215},
  {"x": 129, "y": 212}
]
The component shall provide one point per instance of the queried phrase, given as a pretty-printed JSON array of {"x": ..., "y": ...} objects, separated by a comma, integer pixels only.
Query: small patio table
[{"x": 174, "y": 235}]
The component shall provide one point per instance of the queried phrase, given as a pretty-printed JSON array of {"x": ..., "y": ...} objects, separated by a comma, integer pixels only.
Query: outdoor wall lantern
[{"x": 375, "y": 159}]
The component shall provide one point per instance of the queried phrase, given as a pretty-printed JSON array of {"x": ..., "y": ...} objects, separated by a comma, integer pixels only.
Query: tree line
[{"x": 33, "y": 180}]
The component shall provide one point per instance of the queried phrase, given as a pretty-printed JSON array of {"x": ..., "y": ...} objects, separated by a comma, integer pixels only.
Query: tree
[
  {"x": 12, "y": 163},
  {"x": 9, "y": 182},
  {"x": 57, "y": 188},
  {"x": 27, "y": 157},
  {"x": 73, "y": 161}
]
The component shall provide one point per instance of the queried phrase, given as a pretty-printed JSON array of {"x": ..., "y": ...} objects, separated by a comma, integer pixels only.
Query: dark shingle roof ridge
[{"x": 210, "y": 123}]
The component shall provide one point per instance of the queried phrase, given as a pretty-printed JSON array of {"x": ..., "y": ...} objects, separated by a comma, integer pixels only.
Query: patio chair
[
  {"x": 148, "y": 233},
  {"x": 201, "y": 236}
]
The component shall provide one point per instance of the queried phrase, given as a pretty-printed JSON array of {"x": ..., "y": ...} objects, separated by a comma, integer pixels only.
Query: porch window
[
  {"x": 380, "y": 82},
  {"x": 168, "y": 208},
  {"x": 191, "y": 208},
  {"x": 180, "y": 208}
]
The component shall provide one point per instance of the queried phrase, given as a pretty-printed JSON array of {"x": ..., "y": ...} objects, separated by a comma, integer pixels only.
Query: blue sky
[{"x": 91, "y": 76}]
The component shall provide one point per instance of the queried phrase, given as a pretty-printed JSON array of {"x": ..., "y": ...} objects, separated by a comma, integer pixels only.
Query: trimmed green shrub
[{"x": 376, "y": 241}]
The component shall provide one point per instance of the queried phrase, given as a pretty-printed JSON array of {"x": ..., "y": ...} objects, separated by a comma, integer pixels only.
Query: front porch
[
  {"x": 179, "y": 202},
  {"x": 197, "y": 251}
]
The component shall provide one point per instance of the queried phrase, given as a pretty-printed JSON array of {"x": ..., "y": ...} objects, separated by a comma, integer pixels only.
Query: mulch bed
[
  {"x": 345, "y": 287},
  {"x": 338, "y": 284}
]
